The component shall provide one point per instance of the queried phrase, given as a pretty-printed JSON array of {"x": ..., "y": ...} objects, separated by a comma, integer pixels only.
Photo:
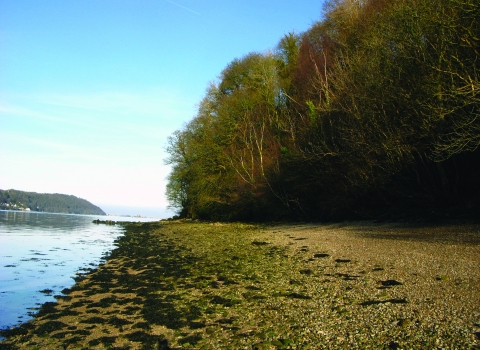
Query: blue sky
[{"x": 90, "y": 90}]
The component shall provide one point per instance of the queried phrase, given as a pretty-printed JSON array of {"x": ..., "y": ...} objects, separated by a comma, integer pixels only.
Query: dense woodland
[
  {"x": 371, "y": 113},
  {"x": 47, "y": 202}
]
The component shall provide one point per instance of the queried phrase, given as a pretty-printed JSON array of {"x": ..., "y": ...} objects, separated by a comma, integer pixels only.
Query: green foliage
[
  {"x": 311, "y": 111},
  {"x": 47, "y": 202},
  {"x": 374, "y": 110}
]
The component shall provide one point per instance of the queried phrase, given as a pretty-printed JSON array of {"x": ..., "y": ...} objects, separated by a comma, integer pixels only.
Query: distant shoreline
[
  {"x": 45, "y": 212},
  {"x": 149, "y": 218},
  {"x": 46, "y": 202}
]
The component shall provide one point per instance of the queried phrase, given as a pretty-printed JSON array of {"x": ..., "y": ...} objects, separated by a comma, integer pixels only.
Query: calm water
[{"x": 40, "y": 254}]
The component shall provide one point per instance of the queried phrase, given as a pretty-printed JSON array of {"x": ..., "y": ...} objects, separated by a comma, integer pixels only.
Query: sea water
[{"x": 41, "y": 253}]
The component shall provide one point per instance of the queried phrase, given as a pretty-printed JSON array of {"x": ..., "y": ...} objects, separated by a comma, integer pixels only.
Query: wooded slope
[
  {"x": 47, "y": 202},
  {"x": 373, "y": 112}
]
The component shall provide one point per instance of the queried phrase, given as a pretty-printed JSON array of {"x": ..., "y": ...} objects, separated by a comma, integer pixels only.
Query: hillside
[
  {"x": 372, "y": 113},
  {"x": 47, "y": 202}
]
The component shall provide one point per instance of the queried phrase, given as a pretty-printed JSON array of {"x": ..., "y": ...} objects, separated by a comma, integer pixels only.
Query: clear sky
[{"x": 90, "y": 90}]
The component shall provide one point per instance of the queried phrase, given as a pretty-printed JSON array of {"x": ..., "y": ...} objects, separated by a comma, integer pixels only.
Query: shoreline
[{"x": 289, "y": 286}]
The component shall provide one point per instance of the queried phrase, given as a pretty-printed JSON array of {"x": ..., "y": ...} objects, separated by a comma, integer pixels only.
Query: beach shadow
[
  {"x": 156, "y": 266},
  {"x": 390, "y": 301}
]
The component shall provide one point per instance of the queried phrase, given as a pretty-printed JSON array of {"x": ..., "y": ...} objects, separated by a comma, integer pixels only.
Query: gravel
[{"x": 298, "y": 286}]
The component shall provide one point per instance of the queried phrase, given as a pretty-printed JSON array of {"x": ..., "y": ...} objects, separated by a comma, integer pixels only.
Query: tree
[{"x": 374, "y": 108}]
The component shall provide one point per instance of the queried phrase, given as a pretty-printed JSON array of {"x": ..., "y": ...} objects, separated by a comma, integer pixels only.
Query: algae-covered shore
[{"x": 300, "y": 286}]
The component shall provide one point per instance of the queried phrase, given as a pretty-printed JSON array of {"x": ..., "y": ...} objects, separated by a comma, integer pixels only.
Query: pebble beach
[{"x": 195, "y": 285}]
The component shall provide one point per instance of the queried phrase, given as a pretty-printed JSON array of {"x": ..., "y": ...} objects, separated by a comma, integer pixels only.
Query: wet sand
[{"x": 299, "y": 286}]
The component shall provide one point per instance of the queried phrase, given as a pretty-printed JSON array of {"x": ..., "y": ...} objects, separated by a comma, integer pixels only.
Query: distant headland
[{"x": 46, "y": 202}]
